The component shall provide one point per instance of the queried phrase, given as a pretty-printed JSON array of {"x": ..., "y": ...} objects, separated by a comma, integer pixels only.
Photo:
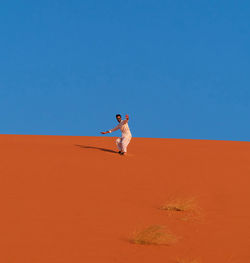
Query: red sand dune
[{"x": 67, "y": 199}]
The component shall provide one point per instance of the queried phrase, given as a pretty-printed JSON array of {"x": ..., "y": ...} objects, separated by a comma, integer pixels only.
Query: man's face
[{"x": 119, "y": 118}]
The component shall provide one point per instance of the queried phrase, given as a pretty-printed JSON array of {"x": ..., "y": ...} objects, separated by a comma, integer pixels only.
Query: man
[{"x": 122, "y": 142}]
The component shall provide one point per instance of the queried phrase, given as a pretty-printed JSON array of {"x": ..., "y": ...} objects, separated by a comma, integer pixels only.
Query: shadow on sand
[{"x": 96, "y": 148}]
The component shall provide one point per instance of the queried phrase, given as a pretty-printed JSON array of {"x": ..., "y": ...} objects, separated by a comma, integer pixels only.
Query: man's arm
[
  {"x": 118, "y": 126},
  {"x": 104, "y": 132},
  {"x": 126, "y": 120},
  {"x": 114, "y": 129}
]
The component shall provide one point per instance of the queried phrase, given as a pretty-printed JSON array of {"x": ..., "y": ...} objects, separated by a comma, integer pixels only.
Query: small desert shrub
[
  {"x": 186, "y": 209},
  {"x": 153, "y": 235},
  {"x": 181, "y": 205}
]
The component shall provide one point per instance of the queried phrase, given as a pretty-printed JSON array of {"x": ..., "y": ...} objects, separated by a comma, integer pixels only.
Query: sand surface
[{"x": 72, "y": 199}]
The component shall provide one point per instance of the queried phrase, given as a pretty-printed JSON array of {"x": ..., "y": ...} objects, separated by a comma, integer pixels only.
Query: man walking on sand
[{"x": 122, "y": 142}]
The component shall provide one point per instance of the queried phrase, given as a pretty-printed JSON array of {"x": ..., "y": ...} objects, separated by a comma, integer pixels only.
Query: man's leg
[
  {"x": 118, "y": 144},
  {"x": 125, "y": 142}
]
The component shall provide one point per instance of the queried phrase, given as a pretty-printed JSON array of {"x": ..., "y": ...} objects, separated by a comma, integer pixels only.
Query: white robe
[{"x": 124, "y": 140}]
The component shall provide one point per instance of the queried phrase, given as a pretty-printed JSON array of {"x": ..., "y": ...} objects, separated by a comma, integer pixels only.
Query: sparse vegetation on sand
[
  {"x": 186, "y": 208},
  {"x": 180, "y": 205},
  {"x": 153, "y": 235}
]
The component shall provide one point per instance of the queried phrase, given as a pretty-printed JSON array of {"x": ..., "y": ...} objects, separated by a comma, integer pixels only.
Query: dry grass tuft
[
  {"x": 181, "y": 205},
  {"x": 186, "y": 208},
  {"x": 153, "y": 235}
]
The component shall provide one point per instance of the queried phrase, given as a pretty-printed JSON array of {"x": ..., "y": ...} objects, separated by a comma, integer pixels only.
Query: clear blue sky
[{"x": 180, "y": 69}]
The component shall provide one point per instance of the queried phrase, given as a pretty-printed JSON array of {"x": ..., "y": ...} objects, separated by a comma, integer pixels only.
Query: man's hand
[
  {"x": 127, "y": 117},
  {"x": 104, "y": 132}
]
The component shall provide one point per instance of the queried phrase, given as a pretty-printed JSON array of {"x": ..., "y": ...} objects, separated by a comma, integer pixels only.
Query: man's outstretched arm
[
  {"x": 105, "y": 132},
  {"x": 118, "y": 126},
  {"x": 114, "y": 129}
]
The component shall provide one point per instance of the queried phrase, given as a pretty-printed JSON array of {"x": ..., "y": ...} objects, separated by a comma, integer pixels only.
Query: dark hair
[{"x": 117, "y": 115}]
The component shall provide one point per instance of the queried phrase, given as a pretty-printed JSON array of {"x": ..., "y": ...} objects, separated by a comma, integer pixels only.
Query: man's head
[{"x": 118, "y": 117}]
